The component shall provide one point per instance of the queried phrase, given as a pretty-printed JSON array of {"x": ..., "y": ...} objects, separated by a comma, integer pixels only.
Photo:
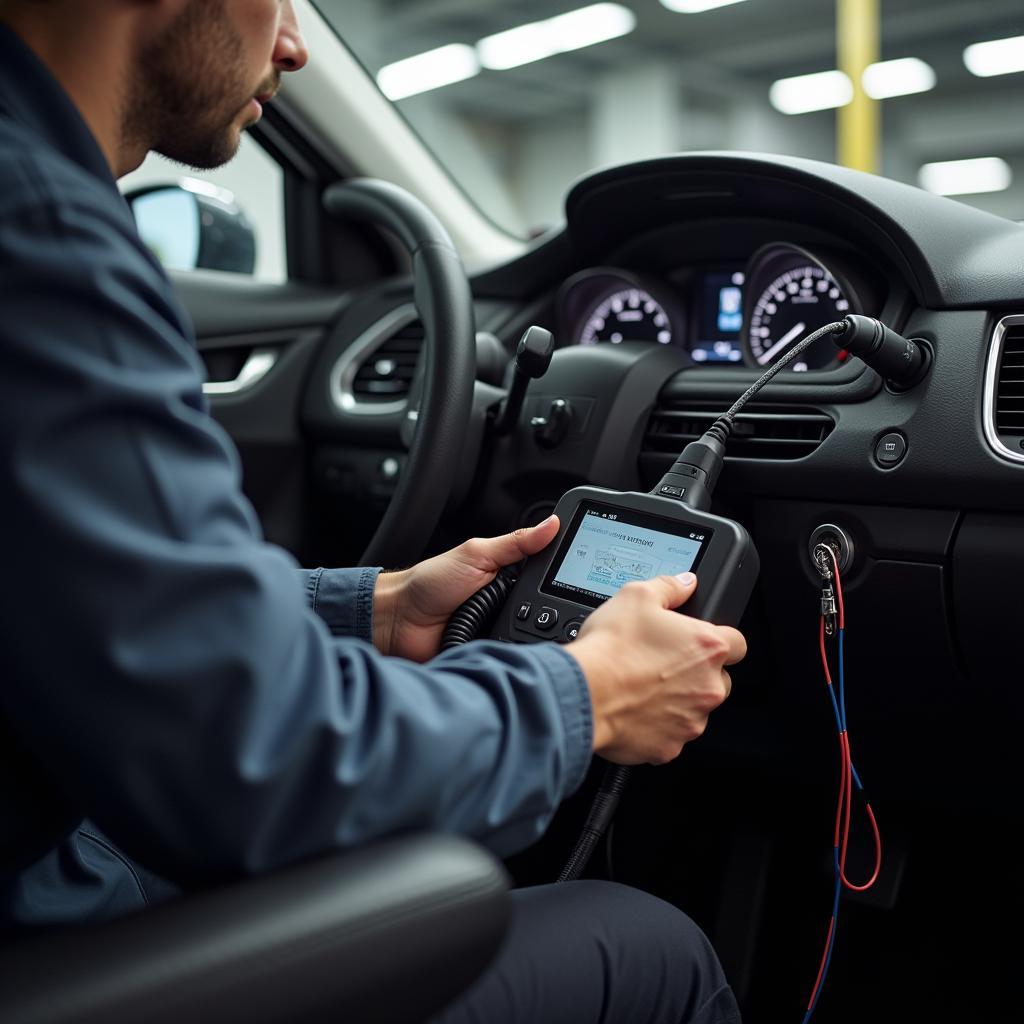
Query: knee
[
  {"x": 647, "y": 938},
  {"x": 645, "y": 920}
]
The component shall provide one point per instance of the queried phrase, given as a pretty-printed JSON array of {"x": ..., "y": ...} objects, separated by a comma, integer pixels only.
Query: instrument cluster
[{"x": 747, "y": 313}]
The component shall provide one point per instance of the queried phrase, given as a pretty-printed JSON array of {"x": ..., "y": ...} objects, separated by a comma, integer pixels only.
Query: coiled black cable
[{"x": 476, "y": 616}]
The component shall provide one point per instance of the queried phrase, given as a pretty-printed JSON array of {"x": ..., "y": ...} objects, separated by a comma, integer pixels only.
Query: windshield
[{"x": 518, "y": 97}]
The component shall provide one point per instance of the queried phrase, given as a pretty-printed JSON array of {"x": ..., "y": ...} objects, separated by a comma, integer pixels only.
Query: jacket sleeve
[
  {"x": 343, "y": 598},
  {"x": 161, "y": 659}
]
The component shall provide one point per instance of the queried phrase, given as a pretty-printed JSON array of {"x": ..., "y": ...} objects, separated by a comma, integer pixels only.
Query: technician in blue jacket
[{"x": 171, "y": 677}]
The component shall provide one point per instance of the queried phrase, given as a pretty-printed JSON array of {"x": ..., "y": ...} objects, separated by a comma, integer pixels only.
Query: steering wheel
[{"x": 441, "y": 397}]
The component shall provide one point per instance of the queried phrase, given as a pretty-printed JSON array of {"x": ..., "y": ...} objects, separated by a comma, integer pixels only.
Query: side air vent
[
  {"x": 374, "y": 374},
  {"x": 762, "y": 432},
  {"x": 387, "y": 374},
  {"x": 1004, "y": 389}
]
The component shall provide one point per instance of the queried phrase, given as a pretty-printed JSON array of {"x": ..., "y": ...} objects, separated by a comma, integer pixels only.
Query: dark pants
[{"x": 598, "y": 953}]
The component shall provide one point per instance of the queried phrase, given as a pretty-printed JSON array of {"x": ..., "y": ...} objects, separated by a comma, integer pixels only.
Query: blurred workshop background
[{"x": 517, "y": 97}]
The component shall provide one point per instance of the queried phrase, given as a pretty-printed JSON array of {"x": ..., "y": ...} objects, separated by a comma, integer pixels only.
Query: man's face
[{"x": 197, "y": 83}]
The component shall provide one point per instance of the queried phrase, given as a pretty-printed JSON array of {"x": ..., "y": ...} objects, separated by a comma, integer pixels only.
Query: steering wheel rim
[{"x": 444, "y": 302}]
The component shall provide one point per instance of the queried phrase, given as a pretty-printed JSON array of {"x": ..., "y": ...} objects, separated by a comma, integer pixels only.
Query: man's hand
[
  {"x": 412, "y": 607},
  {"x": 654, "y": 675}
]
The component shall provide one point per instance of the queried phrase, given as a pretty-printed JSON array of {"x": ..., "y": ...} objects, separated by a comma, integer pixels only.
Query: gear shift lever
[{"x": 533, "y": 357}]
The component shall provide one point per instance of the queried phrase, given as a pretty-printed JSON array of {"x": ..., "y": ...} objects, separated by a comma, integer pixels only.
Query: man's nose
[{"x": 290, "y": 53}]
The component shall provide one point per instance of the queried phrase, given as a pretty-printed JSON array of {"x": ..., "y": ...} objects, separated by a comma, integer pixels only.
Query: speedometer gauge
[
  {"x": 627, "y": 315},
  {"x": 794, "y": 304},
  {"x": 792, "y": 294}
]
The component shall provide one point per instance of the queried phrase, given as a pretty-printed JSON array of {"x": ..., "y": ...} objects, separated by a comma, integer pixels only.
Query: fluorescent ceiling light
[
  {"x": 431, "y": 70},
  {"x": 696, "y": 6},
  {"x": 804, "y": 93},
  {"x": 966, "y": 177},
  {"x": 897, "y": 78},
  {"x": 998, "y": 57},
  {"x": 539, "y": 39}
]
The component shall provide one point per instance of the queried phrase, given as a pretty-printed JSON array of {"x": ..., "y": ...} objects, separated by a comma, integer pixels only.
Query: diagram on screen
[{"x": 617, "y": 567}]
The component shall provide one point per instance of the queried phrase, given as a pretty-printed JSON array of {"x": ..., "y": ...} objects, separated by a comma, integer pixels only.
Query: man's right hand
[{"x": 654, "y": 675}]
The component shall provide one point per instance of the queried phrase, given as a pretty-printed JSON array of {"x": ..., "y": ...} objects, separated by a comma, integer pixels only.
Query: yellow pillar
[{"x": 857, "y": 46}]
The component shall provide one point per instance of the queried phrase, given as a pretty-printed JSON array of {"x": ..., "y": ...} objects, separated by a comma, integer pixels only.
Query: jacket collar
[{"x": 31, "y": 96}]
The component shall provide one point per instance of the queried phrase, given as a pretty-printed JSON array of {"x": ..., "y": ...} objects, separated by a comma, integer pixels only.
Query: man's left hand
[{"x": 412, "y": 607}]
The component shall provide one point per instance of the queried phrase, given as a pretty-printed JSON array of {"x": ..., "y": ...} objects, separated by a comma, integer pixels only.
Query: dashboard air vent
[
  {"x": 386, "y": 374},
  {"x": 761, "y": 432},
  {"x": 1009, "y": 398}
]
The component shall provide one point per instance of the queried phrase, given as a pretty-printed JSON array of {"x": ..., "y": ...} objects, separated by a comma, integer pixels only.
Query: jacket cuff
[{"x": 343, "y": 598}]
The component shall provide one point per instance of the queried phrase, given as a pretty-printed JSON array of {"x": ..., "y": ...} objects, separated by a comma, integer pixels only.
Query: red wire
[
  {"x": 844, "y": 804},
  {"x": 821, "y": 966}
]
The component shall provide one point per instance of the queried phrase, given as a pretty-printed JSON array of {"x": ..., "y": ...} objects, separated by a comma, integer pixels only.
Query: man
[{"x": 166, "y": 674}]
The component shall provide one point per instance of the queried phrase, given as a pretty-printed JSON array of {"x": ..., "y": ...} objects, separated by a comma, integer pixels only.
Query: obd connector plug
[{"x": 899, "y": 360}]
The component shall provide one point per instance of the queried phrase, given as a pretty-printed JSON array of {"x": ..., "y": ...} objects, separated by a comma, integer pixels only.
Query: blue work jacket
[{"x": 168, "y": 678}]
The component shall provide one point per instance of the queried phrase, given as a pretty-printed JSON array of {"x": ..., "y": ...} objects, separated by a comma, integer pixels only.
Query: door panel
[{"x": 258, "y": 342}]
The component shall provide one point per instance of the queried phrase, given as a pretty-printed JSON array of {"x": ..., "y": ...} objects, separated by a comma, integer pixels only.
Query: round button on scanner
[
  {"x": 572, "y": 630},
  {"x": 547, "y": 619},
  {"x": 890, "y": 449}
]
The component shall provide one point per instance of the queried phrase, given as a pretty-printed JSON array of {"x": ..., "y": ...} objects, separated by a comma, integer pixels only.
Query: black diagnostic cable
[
  {"x": 691, "y": 481},
  {"x": 693, "y": 477}
]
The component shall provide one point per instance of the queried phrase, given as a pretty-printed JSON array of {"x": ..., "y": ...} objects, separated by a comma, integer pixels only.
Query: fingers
[
  {"x": 671, "y": 591},
  {"x": 510, "y": 548},
  {"x": 736, "y": 643}
]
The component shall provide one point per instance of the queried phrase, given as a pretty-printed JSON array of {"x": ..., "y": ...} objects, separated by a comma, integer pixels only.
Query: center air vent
[
  {"x": 374, "y": 375},
  {"x": 1004, "y": 389},
  {"x": 387, "y": 373},
  {"x": 763, "y": 432}
]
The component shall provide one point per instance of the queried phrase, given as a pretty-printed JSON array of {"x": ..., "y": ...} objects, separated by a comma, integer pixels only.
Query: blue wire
[
  {"x": 832, "y": 938},
  {"x": 842, "y": 705},
  {"x": 835, "y": 707},
  {"x": 839, "y": 710}
]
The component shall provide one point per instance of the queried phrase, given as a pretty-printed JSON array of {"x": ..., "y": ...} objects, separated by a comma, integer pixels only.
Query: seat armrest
[{"x": 391, "y": 933}]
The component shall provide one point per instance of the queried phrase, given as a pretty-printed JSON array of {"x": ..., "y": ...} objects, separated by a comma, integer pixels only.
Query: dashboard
[{"x": 743, "y": 312}]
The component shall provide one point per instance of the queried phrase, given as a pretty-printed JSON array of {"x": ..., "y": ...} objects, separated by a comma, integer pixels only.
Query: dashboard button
[
  {"x": 523, "y": 611},
  {"x": 547, "y": 619},
  {"x": 890, "y": 449},
  {"x": 572, "y": 630}
]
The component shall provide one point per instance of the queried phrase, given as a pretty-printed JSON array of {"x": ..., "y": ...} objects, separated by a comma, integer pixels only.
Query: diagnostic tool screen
[{"x": 607, "y": 547}]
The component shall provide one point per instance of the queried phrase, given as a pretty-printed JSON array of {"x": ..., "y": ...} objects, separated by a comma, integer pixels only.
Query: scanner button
[
  {"x": 672, "y": 490},
  {"x": 547, "y": 619},
  {"x": 523, "y": 611},
  {"x": 572, "y": 630}
]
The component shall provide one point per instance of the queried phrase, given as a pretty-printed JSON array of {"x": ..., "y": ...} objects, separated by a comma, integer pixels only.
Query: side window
[{"x": 231, "y": 218}]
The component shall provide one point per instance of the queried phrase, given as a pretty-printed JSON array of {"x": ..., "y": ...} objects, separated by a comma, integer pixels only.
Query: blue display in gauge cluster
[{"x": 720, "y": 299}]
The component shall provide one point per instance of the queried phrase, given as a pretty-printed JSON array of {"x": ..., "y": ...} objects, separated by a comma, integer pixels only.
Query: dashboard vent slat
[
  {"x": 762, "y": 432},
  {"x": 1009, "y": 384}
]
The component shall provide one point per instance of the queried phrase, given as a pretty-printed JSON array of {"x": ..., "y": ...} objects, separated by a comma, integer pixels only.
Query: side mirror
[{"x": 194, "y": 227}]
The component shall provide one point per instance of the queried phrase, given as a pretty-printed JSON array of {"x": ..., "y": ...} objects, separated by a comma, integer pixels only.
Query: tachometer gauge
[
  {"x": 793, "y": 294},
  {"x": 609, "y": 305},
  {"x": 627, "y": 315}
]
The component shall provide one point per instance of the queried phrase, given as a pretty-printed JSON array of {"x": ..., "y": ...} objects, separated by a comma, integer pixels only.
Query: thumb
[
  {"x": 672, "y": 591},
  {"x": 511, "y": 547}
]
